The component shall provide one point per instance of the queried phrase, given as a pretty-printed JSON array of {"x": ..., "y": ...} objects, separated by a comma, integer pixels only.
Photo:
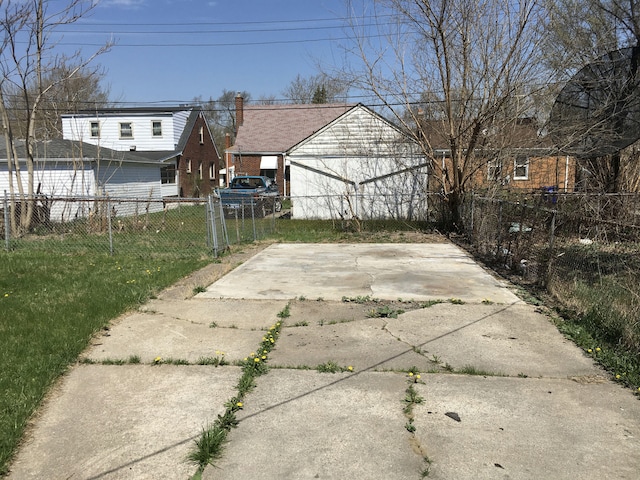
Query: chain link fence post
[
  {"x": 108, "y": 212},
  {"x": 7, "y": 223}
]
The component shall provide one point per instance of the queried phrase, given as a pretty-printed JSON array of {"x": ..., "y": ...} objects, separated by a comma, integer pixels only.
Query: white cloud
[{"x": 123, "y": 3}]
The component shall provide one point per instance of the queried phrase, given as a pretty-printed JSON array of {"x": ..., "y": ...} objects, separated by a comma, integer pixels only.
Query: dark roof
[
  {"x": 59, "y": 149},
  {"x": 522, "y": 134},
  {"x": 277, "y": 128},
  {"x": 134, "y": 110}
]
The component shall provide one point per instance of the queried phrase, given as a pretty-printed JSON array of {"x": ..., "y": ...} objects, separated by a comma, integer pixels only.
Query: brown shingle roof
[{"x": 277, "y": 128}]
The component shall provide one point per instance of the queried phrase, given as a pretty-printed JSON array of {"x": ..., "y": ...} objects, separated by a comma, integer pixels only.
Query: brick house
[
  {"x": 520, "y": 160},
  {"x": 177, "y": 139}
]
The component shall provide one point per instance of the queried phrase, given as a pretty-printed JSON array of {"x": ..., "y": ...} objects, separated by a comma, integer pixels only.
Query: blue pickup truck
[{"x": 251, "y": 195}]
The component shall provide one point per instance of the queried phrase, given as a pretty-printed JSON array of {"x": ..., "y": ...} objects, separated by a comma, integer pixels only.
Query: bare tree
[
  {"x": 320, "y": 88},
  {"x": 594, "y": 45},
  {"x": 28, "y": 59},
  {"x": 456, "y": 74},
  {"x": 221, "y": 115}
]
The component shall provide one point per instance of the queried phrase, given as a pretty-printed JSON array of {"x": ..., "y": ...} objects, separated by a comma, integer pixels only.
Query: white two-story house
[{"x": 175, "y": 140}]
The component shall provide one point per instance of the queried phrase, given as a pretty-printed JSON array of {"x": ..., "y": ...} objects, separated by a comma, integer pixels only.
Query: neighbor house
[
  {"x": 75, "y": 172},
  {"x": 333, "y": 160},
  {"x": 518, "y": 158},
  {"x": 177, "y": 139}
]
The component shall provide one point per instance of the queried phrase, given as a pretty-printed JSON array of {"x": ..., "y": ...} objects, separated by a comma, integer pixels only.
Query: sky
[{"x": 172, "y": 51}]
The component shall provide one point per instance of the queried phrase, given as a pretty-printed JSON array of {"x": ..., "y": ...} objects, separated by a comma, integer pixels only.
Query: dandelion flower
[
  {"x": 418, "y": 376},
  {"x": 239, "y": 404},
  {"x": 618, "y": 377},
  {"x": 589, "y": 350},
  {"x": 350, "y": 368},
  {"x": 597, "y": 349},
  {"x": 411, "y": 374},
  {"x": 157, "y": 360},
  {"x": 257, "y": 360}
]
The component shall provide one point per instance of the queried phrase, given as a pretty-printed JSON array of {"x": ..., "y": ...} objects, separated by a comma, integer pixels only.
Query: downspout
[{"x": 566, "y": 175}]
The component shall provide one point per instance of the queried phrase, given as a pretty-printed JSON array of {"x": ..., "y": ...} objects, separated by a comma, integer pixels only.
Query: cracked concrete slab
[
  {"x": 136, "y": 421},
  {"x": 304, "y": 424},
  {"x": 125, "y": 422},
  {"x": 527, "y": 428},
  {"x": 363, "y": 344},
  {"x": 151, "y": 335},
  {"x": 385, "y": 271},
  {"x": 224, "y": 313},
  {"x": 501, "y": 339}
]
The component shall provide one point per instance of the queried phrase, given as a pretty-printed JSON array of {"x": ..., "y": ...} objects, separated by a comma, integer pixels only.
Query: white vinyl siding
[{"x": 78, "y": 127}]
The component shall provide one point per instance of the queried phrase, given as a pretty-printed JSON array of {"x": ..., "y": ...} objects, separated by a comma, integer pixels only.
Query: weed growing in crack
[
  {"x": 211, "y": 442},
  {"x": 333, "y": 367}
]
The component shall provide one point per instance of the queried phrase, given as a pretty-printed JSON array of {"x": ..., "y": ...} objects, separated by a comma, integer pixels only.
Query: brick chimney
[
  {"x": 227, "y": 140},
  {"x": 239, "y": 110}
]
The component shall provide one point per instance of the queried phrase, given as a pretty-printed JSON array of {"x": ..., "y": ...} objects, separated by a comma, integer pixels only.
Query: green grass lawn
[
  {"x": 59, "y": 288},
  {"x": 50, "y": 307}
]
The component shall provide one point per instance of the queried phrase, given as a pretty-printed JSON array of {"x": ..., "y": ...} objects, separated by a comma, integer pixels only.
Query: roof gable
[
  {"x": 360, "y": 131},
  {"x": 277, "y": 128}
]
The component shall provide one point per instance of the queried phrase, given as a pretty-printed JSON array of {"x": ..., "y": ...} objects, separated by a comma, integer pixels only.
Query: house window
[
  {"x": 494, "y": 169},
  {"x": 212, "y": 171},
  {"x": 126, "y": 130},
  {"x": 95, "y": 129},
  {"x": 188, "y": 165},
  {"x": 201, "y": 135},
  {"x": 521, "y": 168},
  {"x": 199, "y": 170},
  {"x": 156, "y": 127},
  {"x": 168, "y": 174}
]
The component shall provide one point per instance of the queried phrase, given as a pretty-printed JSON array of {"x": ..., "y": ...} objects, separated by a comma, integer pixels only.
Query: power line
[
  {"x": 196, "y": 45},
  {"x": 257, "y": 22}
]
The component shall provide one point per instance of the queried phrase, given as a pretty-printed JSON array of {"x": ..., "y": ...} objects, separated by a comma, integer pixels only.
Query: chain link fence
[
  {"x": 582, "y": 249},
  {"x": 165, "y": 228}
]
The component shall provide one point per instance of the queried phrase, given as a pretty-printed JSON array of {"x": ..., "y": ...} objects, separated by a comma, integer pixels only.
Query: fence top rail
[{"x": 62, "y": 198}]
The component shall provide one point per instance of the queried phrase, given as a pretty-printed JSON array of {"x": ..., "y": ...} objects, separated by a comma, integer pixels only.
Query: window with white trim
[
  {"x": 201, "y": 135},
  {"x": 168, "y": 174},
  {"x": 188, "y": 165},
  {"x": 156, "y": 128},
  {"x": 95, "y": 129},
  {"x": 521, "y": 168},
  {"x": 126, "y": 130},
  {"x": 199, "y": 169}
]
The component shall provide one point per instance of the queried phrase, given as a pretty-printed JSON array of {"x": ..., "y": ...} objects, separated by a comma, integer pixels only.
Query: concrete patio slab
[
  {"x": 149, "y": 335},
  {"x": 125, "y": 422},
  {"x": 385, "y": 271},
  {"x": 304, "y": 424},
  {"x": 362, "y": 344},
  {"x": 527, "y": 429},
  {"x": 225, "y": 313},
  {"x": 501, "y": 339},
  {"x": 140, "y": 421}
]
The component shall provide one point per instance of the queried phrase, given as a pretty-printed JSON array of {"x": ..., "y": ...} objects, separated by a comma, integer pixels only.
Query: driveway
[{"x": 501, "y": 393}]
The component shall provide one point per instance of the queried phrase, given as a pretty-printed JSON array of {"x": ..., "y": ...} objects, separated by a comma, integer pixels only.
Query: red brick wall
[
  {"x": 543, "y": 172},
  {"x": 200, "y": 153},
  {"x": 250, "y": 165}
]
